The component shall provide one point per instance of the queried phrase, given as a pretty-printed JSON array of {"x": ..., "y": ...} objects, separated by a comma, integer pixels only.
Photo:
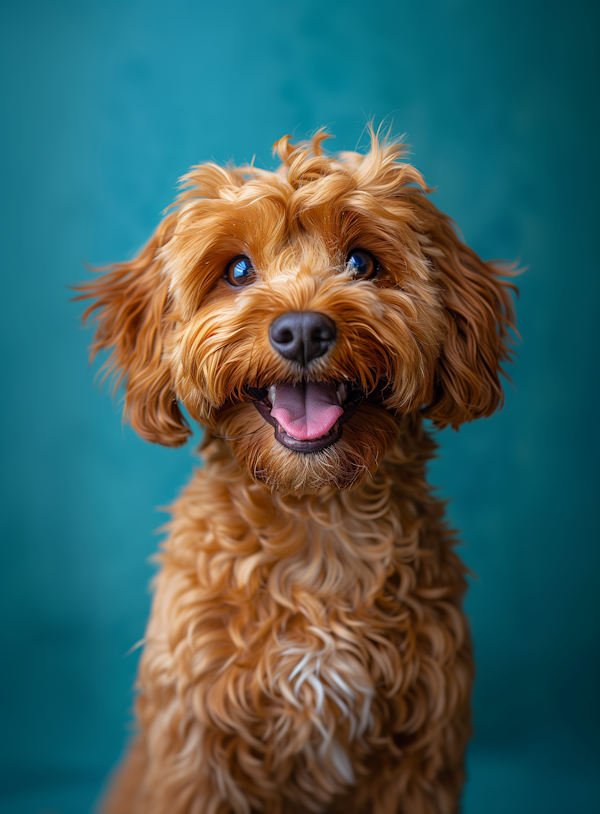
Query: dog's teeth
[
  {"x": 271, "y": 394},
  {"x": 342, "y": 393}
]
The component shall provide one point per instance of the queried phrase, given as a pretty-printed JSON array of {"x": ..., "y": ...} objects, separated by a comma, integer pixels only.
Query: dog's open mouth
[{"x": 307, "y": 416}]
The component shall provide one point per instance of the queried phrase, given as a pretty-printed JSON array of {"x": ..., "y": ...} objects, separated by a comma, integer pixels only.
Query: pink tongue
[{"x": 306, "y": 411}]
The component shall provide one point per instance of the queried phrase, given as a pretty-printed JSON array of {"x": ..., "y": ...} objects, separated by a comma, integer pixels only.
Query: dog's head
[{"x": 303, "y": 315}]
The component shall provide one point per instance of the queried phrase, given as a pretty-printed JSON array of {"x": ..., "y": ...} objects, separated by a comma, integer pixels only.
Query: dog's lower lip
[
  {"x": 314, "y": 445},
  {"x": 260, "y": 399}
]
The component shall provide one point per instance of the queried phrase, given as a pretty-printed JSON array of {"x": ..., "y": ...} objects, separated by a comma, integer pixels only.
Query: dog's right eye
[{"x": 240, "y": 271}]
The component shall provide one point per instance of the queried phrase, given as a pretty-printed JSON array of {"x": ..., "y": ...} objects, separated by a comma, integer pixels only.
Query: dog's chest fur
[{"x": 299, "y": 618}]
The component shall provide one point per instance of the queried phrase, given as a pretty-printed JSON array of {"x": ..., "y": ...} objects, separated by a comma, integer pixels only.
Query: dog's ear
[
  {"x": 479, "y": 312},
  {"x": 131, "y": 313}
]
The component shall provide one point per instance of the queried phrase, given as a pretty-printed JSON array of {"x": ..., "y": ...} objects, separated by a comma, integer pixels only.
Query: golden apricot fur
[{"x": 307, "y": 649}]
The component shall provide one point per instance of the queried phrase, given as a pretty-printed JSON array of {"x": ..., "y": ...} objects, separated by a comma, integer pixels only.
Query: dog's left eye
[
  {"x": 362, "y": 264},
  {"x": 240, "y": 271}
]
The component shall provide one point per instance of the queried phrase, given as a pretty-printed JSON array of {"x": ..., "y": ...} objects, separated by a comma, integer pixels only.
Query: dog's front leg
[
  {"x": 126, "y": 782},
  {"x": 156, "y": 776},
  {"x": 176, "y": 764}
]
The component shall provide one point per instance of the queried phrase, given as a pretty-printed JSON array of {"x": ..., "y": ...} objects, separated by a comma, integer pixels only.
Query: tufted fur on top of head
[{"x": 457, "y": 309}]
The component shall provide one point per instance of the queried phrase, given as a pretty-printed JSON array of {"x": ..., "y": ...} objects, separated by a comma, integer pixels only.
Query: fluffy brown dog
[{"x": 307, "y": 651}]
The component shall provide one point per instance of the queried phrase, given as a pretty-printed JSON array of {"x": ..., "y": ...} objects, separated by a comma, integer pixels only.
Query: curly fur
[{"x": 307, "y": 651}]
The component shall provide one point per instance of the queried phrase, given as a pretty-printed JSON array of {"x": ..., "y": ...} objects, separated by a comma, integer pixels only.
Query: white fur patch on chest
[{"x": 334, "y": 689}]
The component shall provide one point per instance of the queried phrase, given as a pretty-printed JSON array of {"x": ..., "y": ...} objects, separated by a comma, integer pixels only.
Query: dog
[{"x": 307, "y": 650}]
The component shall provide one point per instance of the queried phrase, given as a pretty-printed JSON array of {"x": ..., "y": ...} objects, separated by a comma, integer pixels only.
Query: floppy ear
[
  {"x": 131, "y": 314},
  {"x": 479, "y": 313}
]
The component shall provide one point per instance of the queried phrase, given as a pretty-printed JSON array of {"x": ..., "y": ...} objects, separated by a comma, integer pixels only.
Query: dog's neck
[{"x": 310, "y": 549}]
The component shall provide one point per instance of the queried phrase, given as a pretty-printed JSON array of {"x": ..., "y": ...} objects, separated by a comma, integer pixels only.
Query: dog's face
[{"x": 302, "y": 314}]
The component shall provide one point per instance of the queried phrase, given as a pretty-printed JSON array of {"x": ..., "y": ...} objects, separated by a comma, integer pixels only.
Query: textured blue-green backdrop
[{"x": 104, "y": 105}]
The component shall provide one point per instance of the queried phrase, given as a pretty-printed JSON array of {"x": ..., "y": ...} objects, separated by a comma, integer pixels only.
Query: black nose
[{"x": 302, "y": 335}]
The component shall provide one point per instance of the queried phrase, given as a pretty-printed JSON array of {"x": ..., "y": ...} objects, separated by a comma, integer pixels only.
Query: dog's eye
[
  {"x": 240, "y": 271},
  {"x": 362, "y": 264}
]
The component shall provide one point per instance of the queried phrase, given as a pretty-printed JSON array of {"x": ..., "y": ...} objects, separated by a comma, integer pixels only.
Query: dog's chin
[{"x": 344, "y": 461}]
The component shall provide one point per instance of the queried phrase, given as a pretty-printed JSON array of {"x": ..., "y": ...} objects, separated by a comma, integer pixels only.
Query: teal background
[{"x": 105, "y": 104}]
